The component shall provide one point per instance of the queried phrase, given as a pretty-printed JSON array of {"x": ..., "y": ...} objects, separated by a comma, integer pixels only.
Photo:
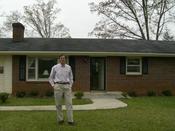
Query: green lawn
[
  {"x": 26, "y": 101},
  {"x": 142, "y": 114}
]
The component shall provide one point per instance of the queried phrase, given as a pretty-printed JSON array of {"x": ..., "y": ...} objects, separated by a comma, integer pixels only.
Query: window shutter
[
  {"x": 144, "y": 65},
  {"x": 72, "y": 64},
  {"x": 122, "y": 65},
  {"x": 22, "y": 68}
]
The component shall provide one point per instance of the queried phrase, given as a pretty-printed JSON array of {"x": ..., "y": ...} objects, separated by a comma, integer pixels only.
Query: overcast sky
[{"x": 75, "y": 14}]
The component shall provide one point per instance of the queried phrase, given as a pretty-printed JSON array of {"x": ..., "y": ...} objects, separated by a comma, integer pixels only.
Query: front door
[{"x": 97, "y": 73}]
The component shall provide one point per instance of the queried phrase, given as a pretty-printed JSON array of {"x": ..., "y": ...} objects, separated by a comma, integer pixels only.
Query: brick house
[{"x": 97, "y": 64}]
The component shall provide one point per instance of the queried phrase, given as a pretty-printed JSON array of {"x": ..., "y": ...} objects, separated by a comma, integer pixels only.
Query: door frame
[{"x": 96, "y": 57}]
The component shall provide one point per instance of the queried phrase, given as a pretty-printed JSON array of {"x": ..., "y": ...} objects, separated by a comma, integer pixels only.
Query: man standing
[{"x": 61, "y": 79}]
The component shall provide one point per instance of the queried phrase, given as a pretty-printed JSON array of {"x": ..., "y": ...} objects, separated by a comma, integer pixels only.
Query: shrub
[
  {"x": 132, "y": 94},
  {"x": 4, "y": 96},
  {"x": 151, "y": 93},
  {"x": 20, "y": 94},
  {"x": 33, "y": 93},
  {"x": 167, "y": 93},
  {"x": 49, "y": 93},
  {"x": 79, "y": 94}
]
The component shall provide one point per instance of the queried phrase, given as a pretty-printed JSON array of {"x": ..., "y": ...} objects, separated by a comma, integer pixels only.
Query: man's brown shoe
[{"x": 71, "y": 123}]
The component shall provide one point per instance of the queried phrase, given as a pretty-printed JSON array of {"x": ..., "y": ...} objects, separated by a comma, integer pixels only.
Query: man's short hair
[{"x": 61, "y": 56}]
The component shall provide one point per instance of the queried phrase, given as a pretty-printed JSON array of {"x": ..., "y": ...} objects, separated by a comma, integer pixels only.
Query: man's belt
[{"x": 64, "y": 83}]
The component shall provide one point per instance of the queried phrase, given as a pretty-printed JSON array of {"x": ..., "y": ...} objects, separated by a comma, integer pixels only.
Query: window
[
  {"x": 133, "y": 66},
  {"x": 39, "y": 68},
  {"x": 31, "y": 68},
  {"x": 45, "y": 66}
]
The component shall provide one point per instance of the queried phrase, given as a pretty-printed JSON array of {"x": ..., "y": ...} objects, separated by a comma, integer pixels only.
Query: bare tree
[
  {"x": 13, "y": 17},
  {"x": 41, "y": 17},
  {"x": 0, "y": 28},
  {"x": 133, "y": 19},
  {"x": 1, "y": 33},
  {"x": 167, "y": 35}
]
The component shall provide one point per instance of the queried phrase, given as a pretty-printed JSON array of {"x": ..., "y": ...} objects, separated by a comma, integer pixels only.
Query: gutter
[{"x": 80, "y": 53}]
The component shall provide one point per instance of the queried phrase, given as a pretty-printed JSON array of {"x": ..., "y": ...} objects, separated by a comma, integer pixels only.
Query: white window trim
[
  {"x": 27, "y": 79},
  {"x": 36, "y": 69},
  {"x": 133, "y": 73}
]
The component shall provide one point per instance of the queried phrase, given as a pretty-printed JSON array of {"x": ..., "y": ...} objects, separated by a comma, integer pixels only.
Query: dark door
[{"x": 97, "y": 73}]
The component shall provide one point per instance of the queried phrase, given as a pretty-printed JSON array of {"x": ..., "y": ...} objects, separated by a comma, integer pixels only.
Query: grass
[
  {"x": 27, "y": 101},
  {"x": 142, "y": 114}
]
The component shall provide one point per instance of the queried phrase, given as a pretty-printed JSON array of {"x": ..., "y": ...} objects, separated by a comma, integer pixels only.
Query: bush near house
[
  {"x": 20, "y": 94},
  {"x": 79, "y": 94},
  {"x": 33, "y": 93},
  {"x": 4, "y": 96},
  {"x": 132, "y": 94},
  {"x": 49, "y": 93},
  {"x": 151, "y": 93},
  {"x": 167, "y": 93}
]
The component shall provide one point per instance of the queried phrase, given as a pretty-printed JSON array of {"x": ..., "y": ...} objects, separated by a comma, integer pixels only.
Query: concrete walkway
[{"x": 100, "y": 101}]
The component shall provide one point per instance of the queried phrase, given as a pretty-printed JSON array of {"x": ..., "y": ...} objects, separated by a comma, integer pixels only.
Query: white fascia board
[{"x": 80, "y": 53}]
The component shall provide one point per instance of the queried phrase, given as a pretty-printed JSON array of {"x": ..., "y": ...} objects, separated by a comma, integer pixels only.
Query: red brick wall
[
  {"x": 82, "y": 78},
  {"x": 82, "y": 75},
  {"x": 41, "y": 87},
  {"x": 161, "y": 76}
]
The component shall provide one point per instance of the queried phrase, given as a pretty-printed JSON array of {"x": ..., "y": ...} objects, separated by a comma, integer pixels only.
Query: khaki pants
[{"x": 59, "y": 91}]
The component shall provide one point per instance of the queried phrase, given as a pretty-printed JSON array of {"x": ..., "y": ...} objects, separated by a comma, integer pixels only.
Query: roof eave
[{"x": 79, "y": 53}]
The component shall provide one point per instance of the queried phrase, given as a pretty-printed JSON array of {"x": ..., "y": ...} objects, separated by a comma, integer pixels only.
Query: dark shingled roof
[{"x": 87, "y": 45}]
